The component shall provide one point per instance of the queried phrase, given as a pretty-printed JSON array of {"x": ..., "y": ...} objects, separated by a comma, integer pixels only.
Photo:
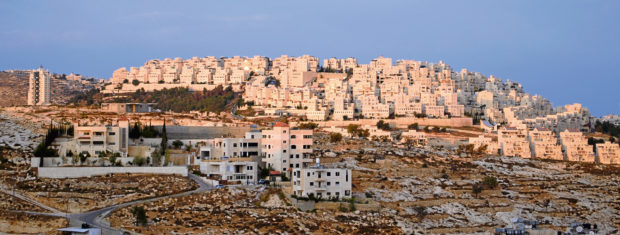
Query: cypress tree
[{"x": 164, "y": 139}]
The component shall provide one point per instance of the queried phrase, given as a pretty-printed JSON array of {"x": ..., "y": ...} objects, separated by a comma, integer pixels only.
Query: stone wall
[
  {"x": 77, "y": 172},
  {"x": 403, "y": 122},
  {"x": 128, "y": 87}
]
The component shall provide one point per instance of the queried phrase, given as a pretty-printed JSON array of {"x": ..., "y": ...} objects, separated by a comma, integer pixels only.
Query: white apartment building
[
  {"x": 285, "y": 148},
  {"x": 40, "y": 87},
  {"x": 243, "y": 172},
  {"x": 322, "y": 182}
]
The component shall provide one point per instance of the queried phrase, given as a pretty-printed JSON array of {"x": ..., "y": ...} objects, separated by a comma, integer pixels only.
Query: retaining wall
[{"x": 77, "y": 172}]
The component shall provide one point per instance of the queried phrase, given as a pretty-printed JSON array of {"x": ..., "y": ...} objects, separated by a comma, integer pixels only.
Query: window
[
  {"x": 284, "y": 131},
  {"x": 112, "y": 133},
  {"x": 297, "y": 165},
  {"x": 290, "y": 165},
  {"x": 293, "y": 136},
  {"x": 284, "y": 151},
  {"x": 329, "y": 194},
  {"x": 252, "y": 144},
  {"x": 307, "y": 136},
  {"x": 337, "y": 182},
  {"x": 284, "y": 141},
  {"x": 347, "y": 192},
  {"x": 293, "y": 146},
  {"x": 284, "y": 161},
  {"x": 329, "y": 183},
  {"x": 234, "y": 145},
  {"x": 296, "y": 155},
  {"x": 249, "y": 168},
  {"x": 311, "y": 183},
  {"x": 337, "y": 173},
  {"x": 284, "y": 169},
  {"x": 337, "y": 193},
  {"x": 329, "y": 173},
  {"x": 308, "y": 174}
]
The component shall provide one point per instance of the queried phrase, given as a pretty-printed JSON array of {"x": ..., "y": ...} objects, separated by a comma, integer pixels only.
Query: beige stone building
[
  {"x": 608, "y": 153},
  {"x": 513, "y": 142},
  {"x": 575, "y": 146},
  {"x": 543, "y": 144}
]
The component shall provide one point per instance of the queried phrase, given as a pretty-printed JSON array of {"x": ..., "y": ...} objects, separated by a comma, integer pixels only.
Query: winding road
[{"x": 95, "y": 218}]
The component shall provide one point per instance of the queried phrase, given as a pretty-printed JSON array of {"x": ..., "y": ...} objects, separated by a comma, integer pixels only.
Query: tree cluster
[{"x": 355, "y": 130}]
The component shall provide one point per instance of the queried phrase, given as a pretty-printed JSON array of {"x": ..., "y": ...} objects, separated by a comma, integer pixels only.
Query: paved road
[{"x": 95, "y": 217}]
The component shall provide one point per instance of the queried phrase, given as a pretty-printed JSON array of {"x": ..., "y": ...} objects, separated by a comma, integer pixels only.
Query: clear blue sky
[{"x": 567, "y": 51}]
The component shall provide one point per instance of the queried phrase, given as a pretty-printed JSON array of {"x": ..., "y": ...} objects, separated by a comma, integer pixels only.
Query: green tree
[
  {"x": 156, "y": 156},
  {"x": 140, "y": 214},
  {"x": 353, "y": 128},
  {"x": 163, "y": 146},
  {"x": 134, "y": 132},
  {"x": 308, "y": 125},
  {"x": 476, "y": 189},
  {"x": 135, "y": 82},
  {"x": 177, "y": 144},
  {"x": 113, "y": 158},
  {"x": 167, "y": 157}
]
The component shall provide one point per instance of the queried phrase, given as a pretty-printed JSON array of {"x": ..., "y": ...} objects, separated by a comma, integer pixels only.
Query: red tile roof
[{"x": 280, "y": 124}]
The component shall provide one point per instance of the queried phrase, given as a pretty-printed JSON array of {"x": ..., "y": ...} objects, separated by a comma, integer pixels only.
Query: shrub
[
  {"x": 420, "y": 212},
  {"x": 490, "y": 182},
  {"x": 335, "y": 137},
  {"x": 139, "y": 161}
]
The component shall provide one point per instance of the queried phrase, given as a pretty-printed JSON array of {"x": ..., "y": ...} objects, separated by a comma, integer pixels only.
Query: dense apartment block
[
  {"x": 543, "y": 144},
  {"x": 575, "y": 146},
  {"x": 513, "y": 142},
  {"x": 608, "y": 153}
]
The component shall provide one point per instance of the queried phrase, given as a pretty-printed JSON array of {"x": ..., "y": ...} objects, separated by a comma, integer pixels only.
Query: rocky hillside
[{"x": 14, "y": 90}]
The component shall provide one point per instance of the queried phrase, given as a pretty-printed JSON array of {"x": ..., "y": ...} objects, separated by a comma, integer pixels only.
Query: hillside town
[{"x": 405, "y": 147}]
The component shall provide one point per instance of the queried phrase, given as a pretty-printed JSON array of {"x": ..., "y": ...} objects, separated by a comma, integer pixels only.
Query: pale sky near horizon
[{"x": 566, "y": 51}]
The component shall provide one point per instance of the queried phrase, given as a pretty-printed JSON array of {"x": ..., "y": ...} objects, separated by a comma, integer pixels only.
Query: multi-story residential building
[
  {"x": 228, "y": 148},
  {"x": 284, "y": 148},
  {"x": 513, "y": 142},
  {"x": 94, "y": 139},
  {"x": 608, "y": 153},
  {"x": 40, "y": 87},
  {"x": 575, "y": 146},
  {"x": 244, "y": 172},
  {"x": 122, "y": 108},
  {"x": 543, "y": 144},
  {"x": 417, "y": 138},
  {"x": 492, "y": 147},
  {"x": 322, "y": 182}
]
